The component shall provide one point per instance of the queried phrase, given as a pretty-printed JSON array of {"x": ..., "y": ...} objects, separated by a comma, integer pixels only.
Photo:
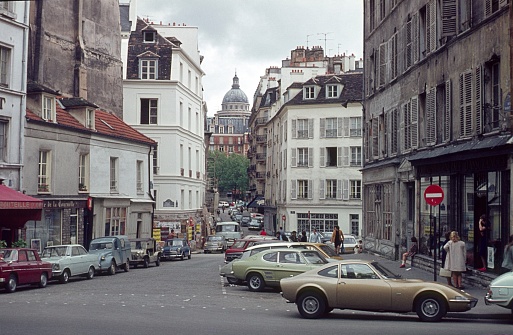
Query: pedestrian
[
  {"x": 263, "y": 232},
  {"x": 293, "y": 236},
  {"x": 303, "y": 237},
  {"x": 456, "y": 258},
  {"x": 358, "y": 248},
  {"x": 443, "y": 271},
  {"x": 483, "y": 241},
  {"x": 172, "y": 234},
  {"x": 337, "y": 238},
  {"x": 278, "y": 236},
  {"x": 410, "y": 253},
  {"x": 507, "y": 260},
  {"x": 315, "y": 237}
]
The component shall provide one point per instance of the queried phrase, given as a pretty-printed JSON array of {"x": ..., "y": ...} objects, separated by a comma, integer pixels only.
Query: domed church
[{"x": 230, "y": 125}]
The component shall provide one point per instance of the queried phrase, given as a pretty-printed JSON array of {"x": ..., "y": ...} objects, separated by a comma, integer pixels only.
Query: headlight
[
  {"x": 55, "y": 267},
  {"x": 102, "y": 258},
  {"x": 179, "y": 249},
  {"x": 459, "y": 297}
]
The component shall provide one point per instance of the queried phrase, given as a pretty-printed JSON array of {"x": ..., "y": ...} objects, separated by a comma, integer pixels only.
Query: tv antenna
[
  {"x": 325, "y": 39},
  {"x": 307, "y": 39}
]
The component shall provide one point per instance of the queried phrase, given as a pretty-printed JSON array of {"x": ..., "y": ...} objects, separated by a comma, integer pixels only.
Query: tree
[{"x": 230, "y": 170}]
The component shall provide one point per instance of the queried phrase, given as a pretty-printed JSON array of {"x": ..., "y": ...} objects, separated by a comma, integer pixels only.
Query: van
[
  {"x": 114, "y": 252},
  {"x": 230, "y": 230}
]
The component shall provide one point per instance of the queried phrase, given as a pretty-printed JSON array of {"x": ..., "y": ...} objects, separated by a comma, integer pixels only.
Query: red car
[
  {"x": 236, "y": 250},
  {"x": 21, "y": 266}
]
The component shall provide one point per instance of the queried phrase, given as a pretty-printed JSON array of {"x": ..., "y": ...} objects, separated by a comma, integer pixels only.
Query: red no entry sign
[{"x": 434, "y": 195}]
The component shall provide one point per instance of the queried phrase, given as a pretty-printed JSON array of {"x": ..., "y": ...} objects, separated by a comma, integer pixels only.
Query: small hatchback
[{"x": 214, "y": 243}]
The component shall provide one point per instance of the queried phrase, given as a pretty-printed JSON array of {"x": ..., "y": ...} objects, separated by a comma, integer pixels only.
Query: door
[
  {"x": 290, "y": 263},
  {"x": 25, "y": 270},
  {"x": 359, "y": 287}
]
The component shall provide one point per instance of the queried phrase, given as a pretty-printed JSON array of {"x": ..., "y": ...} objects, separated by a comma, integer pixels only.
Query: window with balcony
[
  {"x": 331, "y": 189},
  {"x": 355, "y": 189},
  {"x": 44, "y": 176},
  {"x": 302, "y": 128},
  {"x": 356, "y": 156},
  {"x": 148, "y": 69},
  {"x": 303, "y": 189},
  {"x": 83, "y": 173},
  {"x": 330, "y": 127},
  {"x": 355, "y": 126},
  {"x": 114, "y": 178},
  {"x": 149, "y": 111}
]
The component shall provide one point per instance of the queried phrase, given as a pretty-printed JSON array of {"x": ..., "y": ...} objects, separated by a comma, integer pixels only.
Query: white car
[
  {"x": 222, "y": 204},
  {"x": 500, "y": 291},
  {"x": 70, "y": 260}
]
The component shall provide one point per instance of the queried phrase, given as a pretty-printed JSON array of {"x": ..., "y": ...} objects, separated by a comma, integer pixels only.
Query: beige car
[{"x": 368, "y": 286}]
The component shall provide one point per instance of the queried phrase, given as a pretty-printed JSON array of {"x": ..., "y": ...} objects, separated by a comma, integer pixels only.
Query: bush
[
  {"x": 3, "y": 244},
  {"x": 19, "y": 244}
]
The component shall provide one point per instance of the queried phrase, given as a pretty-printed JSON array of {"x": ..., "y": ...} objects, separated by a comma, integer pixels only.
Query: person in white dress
[{"x": 456, "y": 258}]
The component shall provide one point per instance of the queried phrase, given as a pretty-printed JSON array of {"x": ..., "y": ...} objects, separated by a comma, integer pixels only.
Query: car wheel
[
  {"x": 127, "y": 265},
  {"x": 189, "y": 256},
  {"x": 234, "y": 281},
  {"x": 64, "y": 278},
  {"x": 146, "y": 262},
  {"x": 204, "y": 251},
  {"x": 90, "y": 273},
  {"x": 12, "y": 283},
  {"x": 157, "y": 262},
  {"x": 430, "y": 308},
  {"x": 311, "y": 305},
  {"x": 43, "y": 280},
  {"x": 255, "y": 282},
  {"x": 112, "y": 268},
  {"x": 182, "y": 256}
]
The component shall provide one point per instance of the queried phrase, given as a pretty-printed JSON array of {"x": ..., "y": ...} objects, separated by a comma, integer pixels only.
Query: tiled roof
[
  {"x": 352, "y": 89},
  {"x": 106, "y": 124},
  {"x": 33, "y": 87}
]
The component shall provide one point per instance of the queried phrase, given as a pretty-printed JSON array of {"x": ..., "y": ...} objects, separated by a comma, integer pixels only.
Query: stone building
[{"x": 437, "y": 111}]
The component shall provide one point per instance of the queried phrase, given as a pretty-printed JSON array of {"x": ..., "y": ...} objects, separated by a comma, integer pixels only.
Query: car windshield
[
  {"x": 238, "y": 245},
  {"x": 54, "y": 252},
  {"x": 349, "y": 240},
  {"x": 314, "y": 257},
  {"x": 384, "y": 271},
  {"x": 138, "y": 244},
  {"x": 328, "y": 250},
  {"x": 8, "y": 255},
  {"x": 176, "y": 243},
  {"x": 100, "y": 245},
  {"x": 215, "y": 238},
  {"x": 227, "y": 228}
]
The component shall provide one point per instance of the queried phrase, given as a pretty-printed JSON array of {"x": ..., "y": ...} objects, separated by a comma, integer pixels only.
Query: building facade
[
  {"x": 163, "y": 99},
  {"x": 437, "y": 111}
]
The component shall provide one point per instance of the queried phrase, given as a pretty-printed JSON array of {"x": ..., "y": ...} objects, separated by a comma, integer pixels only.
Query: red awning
[{"x": 17, "y": 208}]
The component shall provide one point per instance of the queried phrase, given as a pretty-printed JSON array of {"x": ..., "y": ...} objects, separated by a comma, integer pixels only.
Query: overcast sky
[{"x": 249, "y": 36}]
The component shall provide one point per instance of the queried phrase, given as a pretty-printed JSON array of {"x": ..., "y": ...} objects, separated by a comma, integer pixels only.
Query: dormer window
[
  {"x": 90, "y": 119},
  {"x": 149, "y": 37},
  {"x": 308, "y": 92},
  {"x": 332, "y": 91},
  {"x": 148, "y": 68},
  {"x": 48, "y": 108}
]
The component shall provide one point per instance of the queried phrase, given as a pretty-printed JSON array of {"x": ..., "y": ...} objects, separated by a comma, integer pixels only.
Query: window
[
  {"x": 90, "y": 118},
  {"x": 302, "y": 157},
  {"x": 355, "y": 127},
  {"x": 409, "y": 124},
  {"x": 332, "y": 91},
  {"x": 331, "y": 156},
  {"x": 354, "y": 220},
  {"x": 322, "y": 222},
  {"x": 302, "y": 128},
  {"x": 114, "y": 174},
  {"x": 44, "y": 176},
  {"x": 149, "y": 111},
  {"x": 356, "y": 156},
  {"x": 83, "y": 172},
  {"x": 140, "y": 177},
  {"x": 331, "y": 188},
  {"x": 115, "y": 221},
  {"x": 355, "y": 189},
  {"x": 48, "y": 110},
  {"x": 221, "y": 129},
  {"x": 3, "y": 139},
  {"x": 149, "y": 37},
  {"x": 303, "y": 189},
  {"x": 148, "y": 68},
  {"x": 5, "y": 60},
  {"x": 309, "y": 92},
  {"x": 470, "y": 85},
  {"x": 331, "y": 127},
  {"x": 492, "y": 6},
  {"x": 155, "y": 161},
  {"x": 493, "y": 92}
]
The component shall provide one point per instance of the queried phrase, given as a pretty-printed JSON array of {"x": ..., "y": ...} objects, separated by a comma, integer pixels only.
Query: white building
[
  {"x": 314, "y": 157},
  {"x": 163, "y": 100}
]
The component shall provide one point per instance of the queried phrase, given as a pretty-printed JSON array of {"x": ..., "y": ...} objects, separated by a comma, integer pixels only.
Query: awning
[
  {"x": 17, "y": 208},
  {"x": 258, "y": 202}
]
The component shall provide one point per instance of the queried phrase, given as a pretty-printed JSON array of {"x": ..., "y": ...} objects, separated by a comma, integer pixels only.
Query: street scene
[{"x": 256, "y": 167}]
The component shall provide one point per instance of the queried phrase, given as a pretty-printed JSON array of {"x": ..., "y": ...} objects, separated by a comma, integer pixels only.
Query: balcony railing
[
  {"x": 261, "y": 138},
  {"x": 261, "y": 156},
  {"x": 260, "y": 121},
  {"x": 260, "y": 175}
]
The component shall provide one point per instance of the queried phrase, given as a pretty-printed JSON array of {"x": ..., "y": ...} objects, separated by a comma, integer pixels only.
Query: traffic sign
[
  {"x": 283, "y": 217},
  {"x": 434, "y": 195}
]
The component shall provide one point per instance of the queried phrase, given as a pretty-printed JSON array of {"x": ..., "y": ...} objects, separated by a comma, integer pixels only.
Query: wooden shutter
[
  {"x": 310, "y": 128},
  {"x": 488, "y": 7},
  {"x": 405, "y": 134},
  {"x": 431, "y": 38},
  {"x": 447, "y": 111},
  {"x": 375, "y": 135},
  {"x": 284, "y": 159},
  {"x": 415, "y": 37},
  {"x": 286, "y": 130},
  {"x": 322, "y": 193},
  {"x": 414, "y": 122},
  {"x": 293, "y": 155},
  {"x": 478, "y": 99},
  {"x": 339, "y": 189},
  {"x": 408, "y": 57},
  {"x": 340, "y": 127},
  {"x": 394, "y": 134},
  {"x": 346, "y": 126},
  {"x": 293, "y": 188},
  {"x": 431, "y": 117},
  {"x": 294, "y": 129},
  {"x": 322, "y": 157},
  {"x": 382, "y": 64},
  {"x": 346, "y": 153},
  {"x": 340, "y": 157},
  {"x": 449, "y": 18},
  {"x": 466, "y": 104},
  {"x": 310, "y": 189},
  {"x": 345, "y": 189},
  {"x": 310, "y": 157},
  {"x": 323, "y": 128}
]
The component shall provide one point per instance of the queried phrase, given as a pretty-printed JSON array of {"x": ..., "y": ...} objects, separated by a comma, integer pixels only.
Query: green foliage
[
  {"x": 3, "y": 244},
  {"x": 231, "y": 171},
  {"x": 19, "y": 244}
]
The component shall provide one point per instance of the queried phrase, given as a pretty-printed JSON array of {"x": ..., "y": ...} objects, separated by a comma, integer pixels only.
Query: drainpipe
[
  {"x": 149, "y": 189},
  {"x": 23, "y": 102}
]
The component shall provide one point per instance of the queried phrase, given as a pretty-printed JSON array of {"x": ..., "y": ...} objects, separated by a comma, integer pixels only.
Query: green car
[{"x": 268, "y": 267}]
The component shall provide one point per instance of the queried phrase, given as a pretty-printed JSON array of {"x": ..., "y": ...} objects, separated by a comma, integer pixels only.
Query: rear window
[{"x": 227, "y": 228}]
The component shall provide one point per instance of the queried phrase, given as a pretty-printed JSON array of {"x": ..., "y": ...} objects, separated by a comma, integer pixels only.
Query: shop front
[{"x": 478, "y": 185}]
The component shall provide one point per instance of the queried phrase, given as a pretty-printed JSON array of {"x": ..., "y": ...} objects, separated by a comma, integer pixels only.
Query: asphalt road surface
[{"x": 189, "y": 297}]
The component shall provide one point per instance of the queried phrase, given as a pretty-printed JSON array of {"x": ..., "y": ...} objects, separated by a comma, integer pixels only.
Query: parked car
[
  {"x": 224, "y": 204},
  {"x": 113, "y": 253},
  {"x": 176, "y": 248},
  {"x": 70, "y": 260},
  {"x": 238, "y": 217},
  {"x": 230, "y": 230},
  {"x": 238, "y": 247},
  {"x": 255, "y": 224},
  {"x": 349, "y": 244},
  {"x": 21, "y": 266},
  {"x": 215, "y": 243},
  {"x": 500, "y": 291},
  {"x": 244, "y": 221},
  {"x": 145, "y": 251},
  {"x": 268, "y": 267},
  {"x": 368, "y": 286}
]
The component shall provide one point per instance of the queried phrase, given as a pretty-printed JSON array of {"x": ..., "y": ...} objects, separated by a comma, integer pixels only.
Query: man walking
[{"x": 315, "y": 237}]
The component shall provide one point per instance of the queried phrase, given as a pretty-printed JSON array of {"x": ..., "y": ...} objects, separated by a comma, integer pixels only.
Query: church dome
[{"x": 235, "y": 94}]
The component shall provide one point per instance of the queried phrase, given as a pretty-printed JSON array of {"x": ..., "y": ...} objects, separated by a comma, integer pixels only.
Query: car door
[
  {"x": 79, "y": 260},
  {"x": 290, "y": 263},
  {"x": 26, "y": 273},
  {"x": 359, "y": 287},
  {"x": 269, "y": 266}
]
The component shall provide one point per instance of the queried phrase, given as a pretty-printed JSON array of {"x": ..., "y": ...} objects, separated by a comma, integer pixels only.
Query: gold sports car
[{"x": 368, "y": 286}]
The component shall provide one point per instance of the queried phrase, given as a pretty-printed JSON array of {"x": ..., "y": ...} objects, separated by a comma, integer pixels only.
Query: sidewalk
[{"x": 480, "y": 311}]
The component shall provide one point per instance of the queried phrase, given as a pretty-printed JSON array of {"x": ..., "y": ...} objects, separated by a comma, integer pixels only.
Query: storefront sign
[
  {"x": 64, "y": 204},
  {"x": 21, "y": 205}
]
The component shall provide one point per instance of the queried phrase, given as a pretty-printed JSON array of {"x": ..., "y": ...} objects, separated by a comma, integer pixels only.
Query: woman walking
[
  {"x": 456, "y": 258},
  {"x": 337, "y": 238}
]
